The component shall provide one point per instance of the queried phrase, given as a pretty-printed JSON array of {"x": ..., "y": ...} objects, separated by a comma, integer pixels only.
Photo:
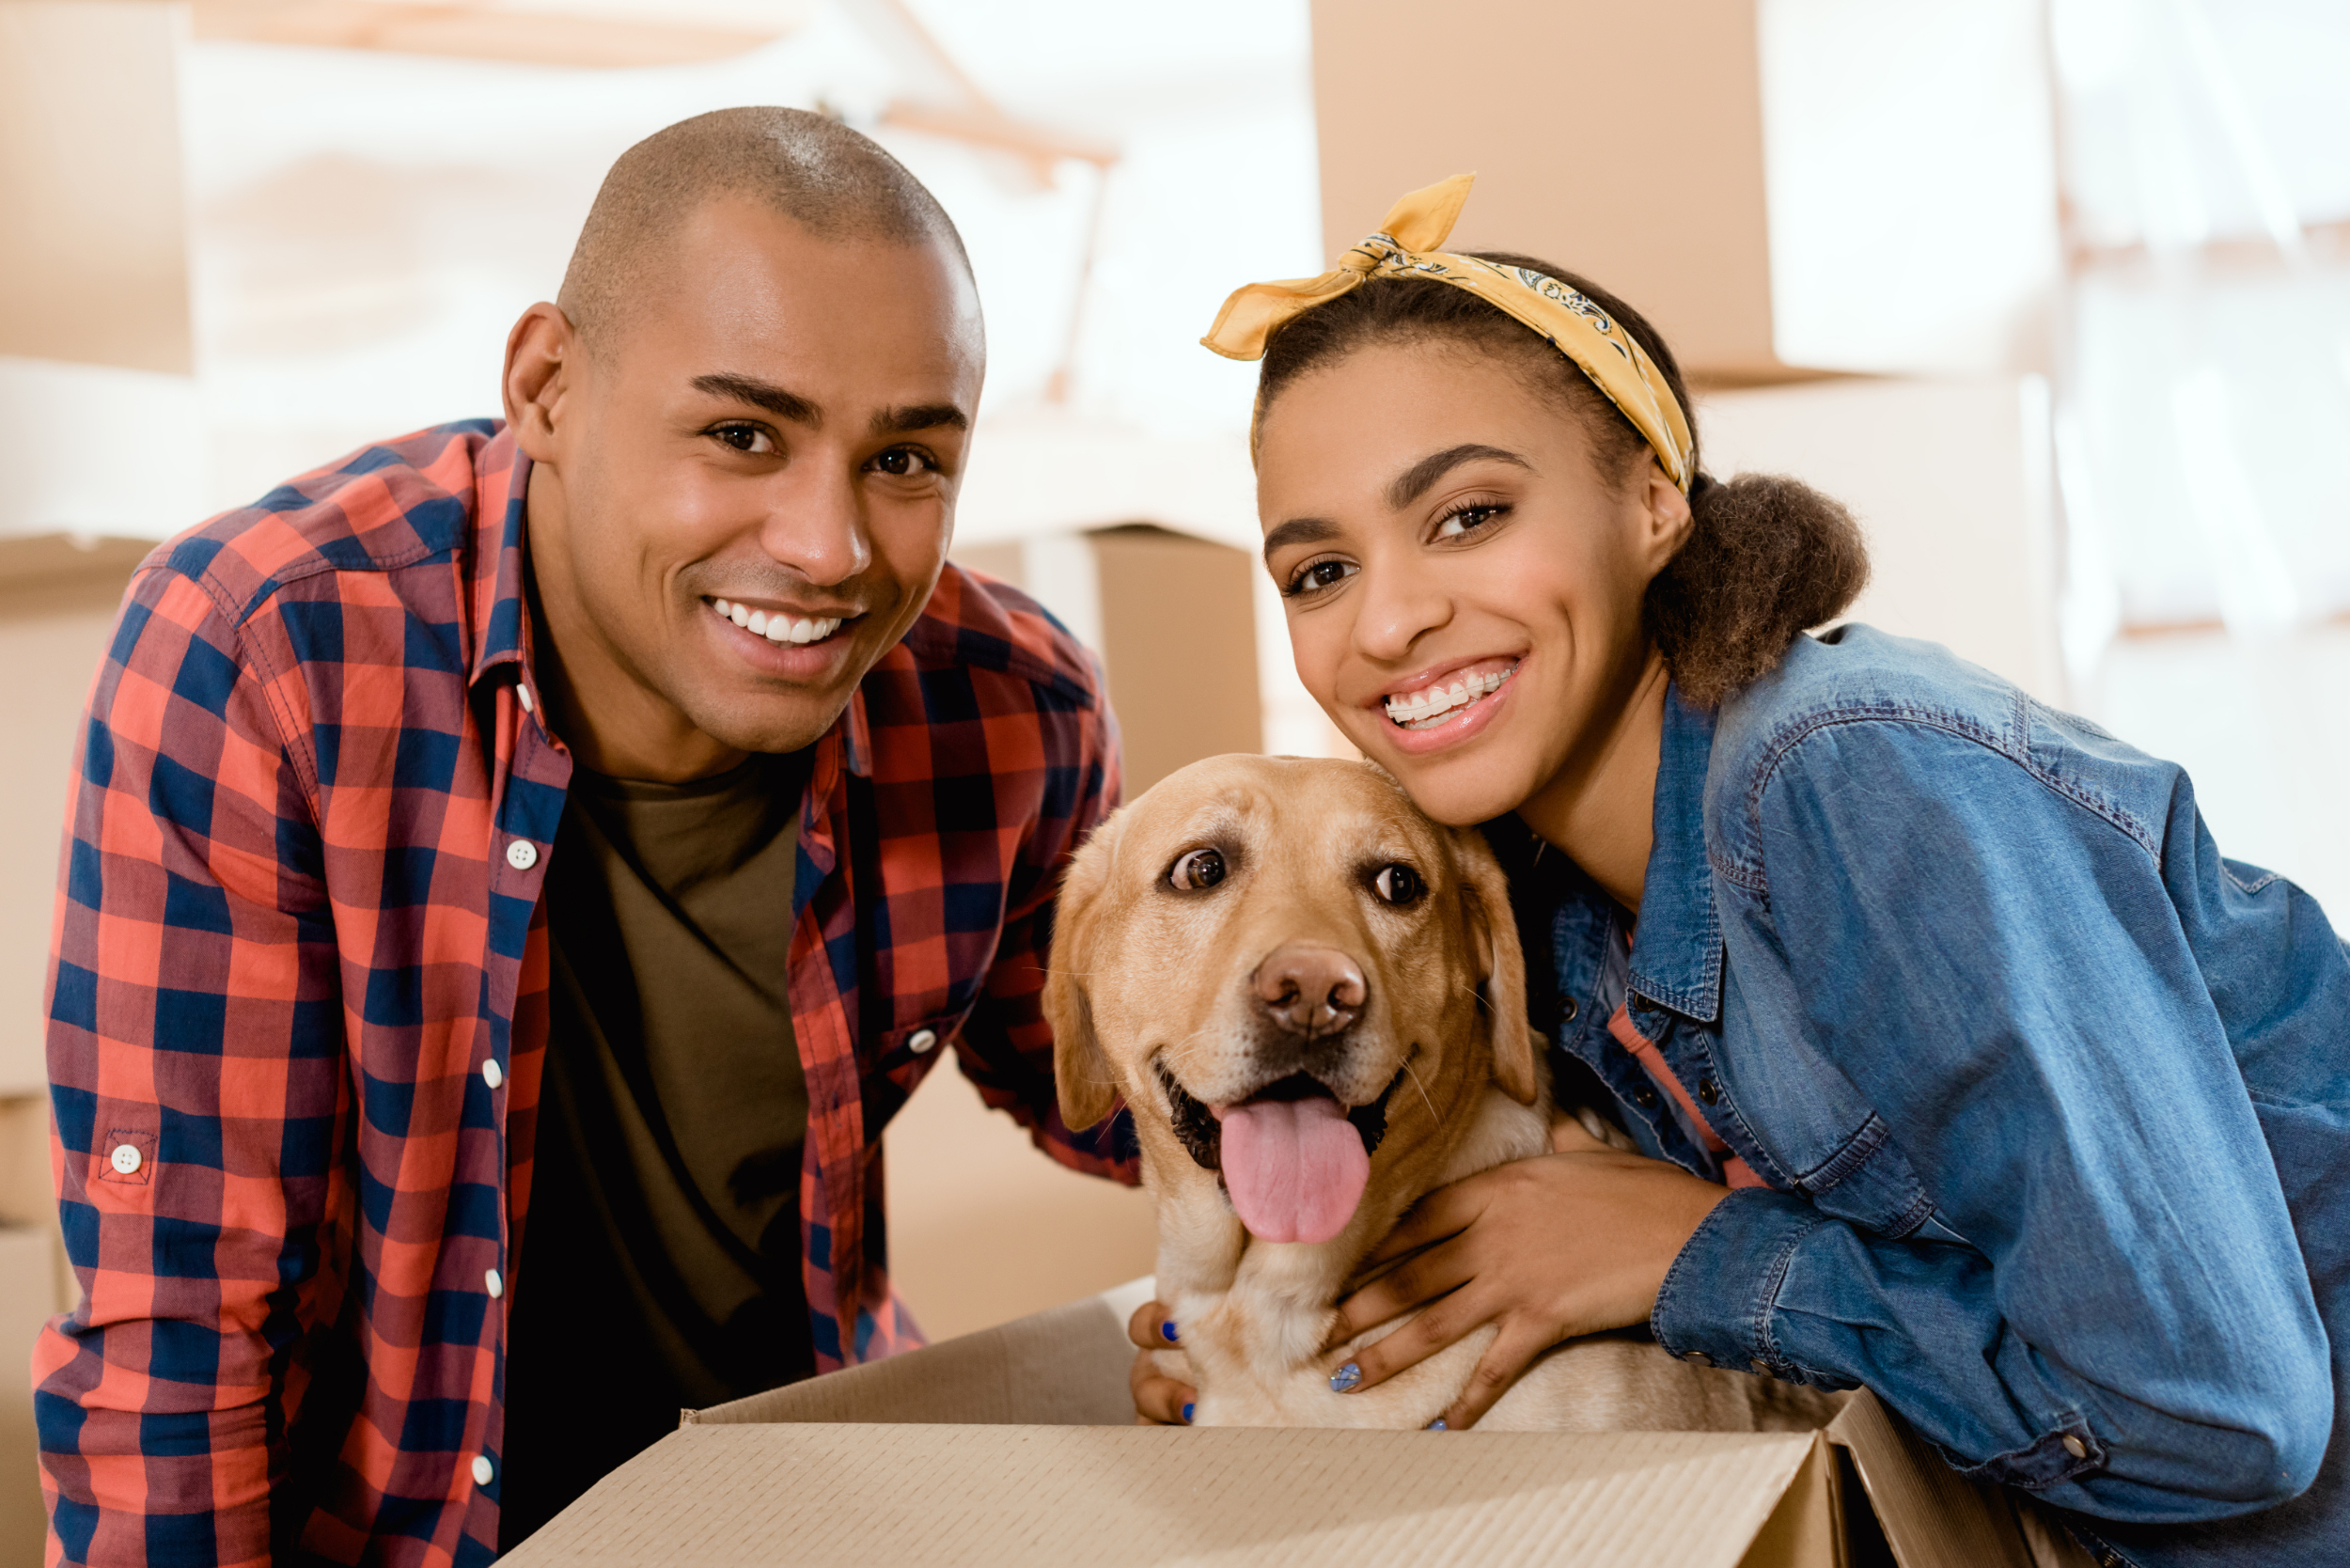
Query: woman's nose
[{"x": 1398, "y": 606}]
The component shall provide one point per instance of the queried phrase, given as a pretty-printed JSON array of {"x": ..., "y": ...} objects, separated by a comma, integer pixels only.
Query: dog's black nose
[{"x": 1311, "y": 991}]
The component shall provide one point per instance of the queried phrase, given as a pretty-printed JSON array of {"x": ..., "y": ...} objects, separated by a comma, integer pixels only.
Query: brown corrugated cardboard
[{"x": 879, "y": 1464}]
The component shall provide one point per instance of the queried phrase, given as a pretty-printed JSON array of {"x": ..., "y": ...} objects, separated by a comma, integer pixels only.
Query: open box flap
[{"x": 819, "y": 1495}]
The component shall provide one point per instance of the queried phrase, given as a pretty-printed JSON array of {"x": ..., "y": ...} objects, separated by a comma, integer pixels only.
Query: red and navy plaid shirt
[{"x": 298, "y": 1000}]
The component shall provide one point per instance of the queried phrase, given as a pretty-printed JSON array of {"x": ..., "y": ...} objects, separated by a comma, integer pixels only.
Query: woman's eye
[
  {"x": 1397, "y": 884},
  {"x": 903, "y": 463},
  {"x": 1199, "y": 869},
  {"x": 1467, "y": 521},
  {"x": 1316, "y": 576},
  {"x": 747, "y": 438}
]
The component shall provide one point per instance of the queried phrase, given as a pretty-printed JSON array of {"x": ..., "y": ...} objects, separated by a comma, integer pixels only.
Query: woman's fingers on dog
[
  {"x": 1423, "y": 1278},
  {"x": 1152, "y": 1326},
  {"x": 1444, "y": 1212},
  {"x": 1450, "y": 1319},
  {"x": 1159, "y": 1400},
  {"x": 1505, "y": 1360}
]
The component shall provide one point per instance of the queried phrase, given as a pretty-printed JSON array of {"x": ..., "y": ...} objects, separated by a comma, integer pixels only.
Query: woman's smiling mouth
[{"x": 1449, "y": 696}]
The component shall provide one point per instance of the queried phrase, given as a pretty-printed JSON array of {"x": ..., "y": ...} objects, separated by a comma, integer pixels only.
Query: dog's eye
[
  {"x": 1397, "y": 884},
  {"x": 1198, "y": 870}
]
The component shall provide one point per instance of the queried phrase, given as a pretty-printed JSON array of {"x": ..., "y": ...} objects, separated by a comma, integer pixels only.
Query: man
[{"x": 515, "y": 874}]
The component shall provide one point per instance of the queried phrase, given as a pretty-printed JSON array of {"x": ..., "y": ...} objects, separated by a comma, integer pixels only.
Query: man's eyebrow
[
  {"x": 1413, "y": 482},
  {"x": 777, "y": 401},
  {"x": 1299, "y": 530},
  {"x": 921, "y": 417}
]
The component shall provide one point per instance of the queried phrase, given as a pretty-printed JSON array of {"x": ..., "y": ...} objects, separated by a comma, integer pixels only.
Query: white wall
[{"x": 1952, "y": 481}]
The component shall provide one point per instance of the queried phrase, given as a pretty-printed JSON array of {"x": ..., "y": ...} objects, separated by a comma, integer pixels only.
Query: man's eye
[
  {"x": 903, "y": 463},
  {"x": 747, "y": 438},
  {"x": 1316, "y": 576}
]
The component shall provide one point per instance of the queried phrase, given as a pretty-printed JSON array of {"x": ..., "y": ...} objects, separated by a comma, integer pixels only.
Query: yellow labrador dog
[{"x": 1312, "y": 997}]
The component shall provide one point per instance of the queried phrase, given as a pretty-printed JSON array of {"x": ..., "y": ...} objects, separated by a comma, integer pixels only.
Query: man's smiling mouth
[
  {"x": 1447, "y": 696},
  {"x": 777, "y": 627}
]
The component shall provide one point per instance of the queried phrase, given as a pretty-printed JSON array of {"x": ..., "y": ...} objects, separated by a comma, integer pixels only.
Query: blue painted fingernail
[
  {"x": 1437, "y": 1425},
  {"x": 1166, "y": 1331},
  {"x": 1345, "y": 1378},
  {"x": 1187, "y": 1409}
]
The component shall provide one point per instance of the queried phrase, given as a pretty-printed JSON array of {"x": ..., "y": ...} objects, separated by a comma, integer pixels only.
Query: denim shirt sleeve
[{"x": 2109, "y": 1306}]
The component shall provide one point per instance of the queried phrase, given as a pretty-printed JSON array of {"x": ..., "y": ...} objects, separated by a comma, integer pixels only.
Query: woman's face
[{"x": 1464, "y": 587}]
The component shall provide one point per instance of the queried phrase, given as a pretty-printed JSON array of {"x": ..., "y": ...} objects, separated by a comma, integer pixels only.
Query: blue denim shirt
[{"x": 2052, "y": 1101}]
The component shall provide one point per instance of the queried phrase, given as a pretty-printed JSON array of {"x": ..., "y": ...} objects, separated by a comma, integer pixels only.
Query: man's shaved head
[{"x": 837, "y": 184}]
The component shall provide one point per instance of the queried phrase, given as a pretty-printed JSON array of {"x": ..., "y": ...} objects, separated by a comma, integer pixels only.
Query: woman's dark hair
[{"x": 1768, "y": 557}]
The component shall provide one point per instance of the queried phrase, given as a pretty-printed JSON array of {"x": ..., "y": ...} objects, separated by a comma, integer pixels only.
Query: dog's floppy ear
[
  {"x": 1492, "y": 934},
  {"x": 1081, "y": 1072}
]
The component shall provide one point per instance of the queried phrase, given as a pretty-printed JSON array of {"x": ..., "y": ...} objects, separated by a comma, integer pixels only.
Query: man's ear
[
  {"x": 1492, "y": 936},
  {"x": 1081, "y": 1070},
  {"x": 541, "y": 353}
]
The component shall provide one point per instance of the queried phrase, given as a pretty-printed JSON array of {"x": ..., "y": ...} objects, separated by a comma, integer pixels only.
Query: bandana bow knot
[{"x": 1407, "y": 245}]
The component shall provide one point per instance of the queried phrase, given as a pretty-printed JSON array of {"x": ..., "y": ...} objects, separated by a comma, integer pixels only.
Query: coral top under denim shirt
[{"x": 2050, "y": 1103}]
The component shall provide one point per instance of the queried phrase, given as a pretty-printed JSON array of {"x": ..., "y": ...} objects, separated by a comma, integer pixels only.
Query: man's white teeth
[
  {"x": 1425, "y": 707},
  {"x": 778, "y": 627}
]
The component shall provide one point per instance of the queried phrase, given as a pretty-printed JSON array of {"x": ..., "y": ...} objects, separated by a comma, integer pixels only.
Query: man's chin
[{"x": 769, "y": 722}]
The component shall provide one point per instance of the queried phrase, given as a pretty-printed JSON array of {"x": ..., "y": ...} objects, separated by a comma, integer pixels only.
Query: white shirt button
[
  {"x": 126, "y": 1159},
  {"x": 495, "y": 1286},
  {"x": 921, "y": 1041},
  {"x": 483, "y": 1469},
  {"x": 522, "y": 855},
  {"x": 522, "y": 695},
  {"x": 492, "y": 1073}
]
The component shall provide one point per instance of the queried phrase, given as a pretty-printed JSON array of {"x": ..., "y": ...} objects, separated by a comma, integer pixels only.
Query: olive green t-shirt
[{"x": 659, "y": 1264}]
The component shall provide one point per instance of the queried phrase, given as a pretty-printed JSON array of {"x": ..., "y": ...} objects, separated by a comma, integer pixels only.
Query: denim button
[
  {"x": 1574, "y": 1007},
  {"x": 2074, "y": 1446},
  {"x": 1698, "y": 1358},
  {"x": 1707, "y": 1093},
  {"x": 1756, "y": 1368},
  {"x": 1645, "y": 1096}
]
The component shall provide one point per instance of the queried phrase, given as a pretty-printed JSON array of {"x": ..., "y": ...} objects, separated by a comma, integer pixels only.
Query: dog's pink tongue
[{"x": 1295, "y": 1168}]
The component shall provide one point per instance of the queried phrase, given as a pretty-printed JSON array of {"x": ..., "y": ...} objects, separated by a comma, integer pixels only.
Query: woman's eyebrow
[
  {"x": 1413, "y": 482},
  {"x": 1299, "y": 530}
]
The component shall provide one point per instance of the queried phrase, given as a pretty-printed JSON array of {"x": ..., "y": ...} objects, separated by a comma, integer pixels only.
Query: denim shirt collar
[{"x": 1677, "y": 947}]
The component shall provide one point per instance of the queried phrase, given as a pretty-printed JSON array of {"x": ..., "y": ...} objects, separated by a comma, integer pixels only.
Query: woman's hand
[
  {"x": 1159, "y": 1400},
  {"x": 1569, "y": 1243}
]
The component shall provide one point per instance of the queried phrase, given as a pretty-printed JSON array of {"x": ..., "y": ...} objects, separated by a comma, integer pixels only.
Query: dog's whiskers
[{"x": 1423, "y": 1092}]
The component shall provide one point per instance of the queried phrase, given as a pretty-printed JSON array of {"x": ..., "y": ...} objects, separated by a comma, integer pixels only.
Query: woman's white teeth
[
  {"x": 1424, "y": 706},
  {"x": 778, "y": 627}
]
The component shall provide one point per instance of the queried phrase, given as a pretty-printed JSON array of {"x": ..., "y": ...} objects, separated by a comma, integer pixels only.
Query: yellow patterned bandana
[{"x": 1406, "y": 246}]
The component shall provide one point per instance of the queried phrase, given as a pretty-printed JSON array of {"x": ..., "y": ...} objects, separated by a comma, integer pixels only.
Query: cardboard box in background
[{"x": 880, "y": 1465}]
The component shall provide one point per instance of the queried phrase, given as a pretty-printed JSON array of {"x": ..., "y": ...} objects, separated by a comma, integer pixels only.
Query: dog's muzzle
[{"x": 1203, "y": 1134}]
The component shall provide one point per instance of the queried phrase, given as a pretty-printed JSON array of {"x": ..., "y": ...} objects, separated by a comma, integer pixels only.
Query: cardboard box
[{"x": 882, "y": 1465}]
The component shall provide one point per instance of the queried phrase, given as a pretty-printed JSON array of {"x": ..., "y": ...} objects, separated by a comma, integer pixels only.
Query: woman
[{"x": 1963, "y": 1066}]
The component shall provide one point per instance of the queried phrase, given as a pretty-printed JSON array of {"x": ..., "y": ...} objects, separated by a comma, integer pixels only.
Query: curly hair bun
[{"x": 1769, "y": 557}]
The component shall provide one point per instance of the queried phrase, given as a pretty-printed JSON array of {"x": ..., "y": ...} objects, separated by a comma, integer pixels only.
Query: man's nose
[
  {"x": 1311, "y": 991},
  {"x": 816, "y": 526}
]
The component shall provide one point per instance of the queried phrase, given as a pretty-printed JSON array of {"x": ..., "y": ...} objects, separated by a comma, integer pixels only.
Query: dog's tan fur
[{"x": 1148, "y": 978}]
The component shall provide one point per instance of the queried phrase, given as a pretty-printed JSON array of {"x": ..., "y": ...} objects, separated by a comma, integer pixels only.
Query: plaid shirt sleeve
[
  {"x": 1006, "y": 1046},
  {"x": 194, "y": 1061}
]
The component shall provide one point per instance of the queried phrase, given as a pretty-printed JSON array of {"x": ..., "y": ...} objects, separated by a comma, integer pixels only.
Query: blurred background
[{"x": 2054, "y": 294}]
